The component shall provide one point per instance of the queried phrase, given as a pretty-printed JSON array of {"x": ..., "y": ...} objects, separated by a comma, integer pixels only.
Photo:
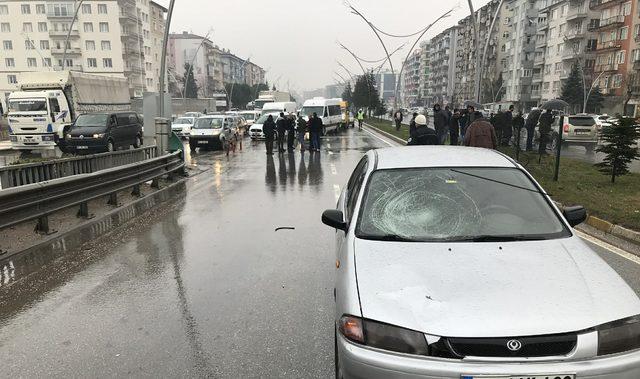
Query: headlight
[
  {"x": 100, "y": 135},
  {"x": 47, "y": 138},
  {"x": 383, "y": 336},
  {"x": 619, "y": 336},
  {"x": 68, "y": 136}
]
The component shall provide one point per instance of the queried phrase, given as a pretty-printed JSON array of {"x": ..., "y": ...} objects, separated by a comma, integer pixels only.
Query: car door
[{"x": 348, "y": 201}]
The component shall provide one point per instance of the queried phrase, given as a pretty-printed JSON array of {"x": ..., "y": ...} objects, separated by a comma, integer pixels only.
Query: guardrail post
[
  {"x": 113, "y": 199},
  {"x": 83, "y": 212},
  {"x": 155, "y": 183},
  {"x": 42, "y": 226},
  {"x": 136, "y": 191}
]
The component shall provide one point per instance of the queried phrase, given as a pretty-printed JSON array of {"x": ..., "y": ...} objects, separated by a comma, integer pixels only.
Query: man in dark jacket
[
  {"x": 315, "y": 131},
  {"x": 530, "y": 125},
  {"x": 281, "y": 127},
  {"x": 398, "y": 117},
  {"x": 302, "y": 129},
  {"x": 423, "y": 134},
  {"x": 481, "y": 133},
  {"x": 507, "y": 131},
  {"x": 440, "y": 123},
  {"x": 412, "y": 124},
  {"x": 454, "y": 127},
  {"x": 268, "y": 128},
  {"x": 546, "y": 120},
  {"x": 467, "y": 119},
  {"x": 291, "y": 132},
  {"x": 518, "y": 125}
]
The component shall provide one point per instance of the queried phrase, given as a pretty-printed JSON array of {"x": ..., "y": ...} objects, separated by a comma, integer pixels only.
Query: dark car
[{"x": 98, "y": 132}]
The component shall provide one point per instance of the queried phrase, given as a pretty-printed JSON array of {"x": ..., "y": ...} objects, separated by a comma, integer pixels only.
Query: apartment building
[
  {"x": 442, "y": 50},
  {"x": 425, "y": 73},
  {"x": 108, "y": 37},
  {"x": 411, "y": 79}
]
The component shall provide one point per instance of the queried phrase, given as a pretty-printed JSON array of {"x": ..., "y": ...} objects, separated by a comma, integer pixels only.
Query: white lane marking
[
  {"x": 336, "y": 191},
  {"x": 633, "y": 258},
  {"x": 380, "y": 138},
  {"x": 333, "y": 169}
]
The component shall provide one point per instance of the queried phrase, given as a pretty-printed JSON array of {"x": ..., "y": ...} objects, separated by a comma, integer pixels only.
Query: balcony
[
  {"x": 577, "y": 13},
  {"x": 610, "y": 67},
  {"x": 541, "y": 44},
  {"x": 536, "y": 93},
  {"x": 608, "y": 23},
  {"x": 537, "y": 61},
  {"x": 602, "y": 4},
  {"x": 536, "y": 77},
  {"x": 543, "y": 25},
  {"x": 60, "y": 15},
  {"x": 609, "y": 46},
  {"x": 63, "y": 33},
  {"x": 574, "y": 34},
  {"x": 70, "y": 51}
]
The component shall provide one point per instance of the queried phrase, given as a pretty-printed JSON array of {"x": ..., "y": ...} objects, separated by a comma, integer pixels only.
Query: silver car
[{"x": 453, "y": 262}]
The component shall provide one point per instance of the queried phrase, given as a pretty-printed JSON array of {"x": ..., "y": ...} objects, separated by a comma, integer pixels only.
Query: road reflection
[{"x": 306, "y": 167}]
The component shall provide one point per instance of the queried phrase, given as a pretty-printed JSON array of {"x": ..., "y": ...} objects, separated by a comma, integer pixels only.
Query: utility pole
[
  {"x": 66, "y": 41},
  {"x": 163, "y": 62}
]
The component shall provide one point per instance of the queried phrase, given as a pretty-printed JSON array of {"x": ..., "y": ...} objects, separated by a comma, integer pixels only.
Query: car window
[
  {"x": 133, "y": 119},
  {"x": 354, "y": 186},
  {"x": 582, "y": 121},
  {"x": 449, "y": 204}
]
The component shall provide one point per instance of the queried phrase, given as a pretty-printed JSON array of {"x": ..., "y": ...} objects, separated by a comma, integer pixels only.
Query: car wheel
[
  {"x": 110, "y": 146},
  {"x": 336, "y": 358},
  {"x": 138, "y": 142}
]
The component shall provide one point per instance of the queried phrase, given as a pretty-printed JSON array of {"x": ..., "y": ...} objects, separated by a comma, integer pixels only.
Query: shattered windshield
[{"x": 447, "y": 204}]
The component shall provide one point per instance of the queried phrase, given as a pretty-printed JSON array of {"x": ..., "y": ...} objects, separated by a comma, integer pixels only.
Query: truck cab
[{"x": 37, "y": 119}]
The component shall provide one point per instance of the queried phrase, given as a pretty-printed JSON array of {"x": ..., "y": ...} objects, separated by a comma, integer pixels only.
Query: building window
[
  {"x": 88, "y": 27},
  {"x": 46, "y": 62},
  {"x": 25, "y": 9},
  {"x": 556, "y": 85},
  {"x": 107, "y": 63},
  {"x": 92, "y": 62},
  {"x": 104, "y": 27},
  {"x": 624, "y": 33},
  {"x": 102, "y": 8},
  {"x": 27, "y": 27},
  {"x": 5, "y": 27},
  {"x": 40, "y": 9},
  {"x": 616, "y": 81},
  {"x": 12, "y": 79},
  {"x": 620, "y": 57},
  {"x": 32, "y": 62},
  {"x": 626, "y": 9},
  {"x": 106, "y": 45},
  {"x": 9, "y": 62},
  {"x": 28, "y": 45},
  {"x": 7, "y": 45},
  {"x": 90, "y": 45},
  {"x": 86, "y": 8},
  {"x": 558, "y": 67},
  {"x": 4, "y": 9},
  {"x": 42, "y": 27},
  {"x": 44, "y": 45}
]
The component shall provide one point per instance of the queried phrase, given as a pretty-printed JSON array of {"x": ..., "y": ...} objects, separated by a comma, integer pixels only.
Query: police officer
[{"x": 360, "y": 118}]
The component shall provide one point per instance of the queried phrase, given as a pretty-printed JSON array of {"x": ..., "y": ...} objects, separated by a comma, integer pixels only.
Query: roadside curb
[
  {"x": 595, "y": 222},
  {"x": 388, "y": 135},
  {"x": 59, "y": 244}
]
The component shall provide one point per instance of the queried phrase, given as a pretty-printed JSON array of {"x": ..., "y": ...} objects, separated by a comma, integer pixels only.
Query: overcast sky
[{"x": 295, "y": 40}]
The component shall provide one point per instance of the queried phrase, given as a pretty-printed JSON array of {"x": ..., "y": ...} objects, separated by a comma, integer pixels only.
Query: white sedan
[{"x": 453, "y": 262}]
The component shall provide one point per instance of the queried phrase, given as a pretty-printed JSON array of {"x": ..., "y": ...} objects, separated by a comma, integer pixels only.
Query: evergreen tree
[
  {"x": 365, "y": 93},
  {"x": 347, "y": 94},
  {"x": 190, "y": 86},
  {"x": 619, "y": 139},
  {"x": 573, "y": 89},
  {"x": 595, "y": 100}
]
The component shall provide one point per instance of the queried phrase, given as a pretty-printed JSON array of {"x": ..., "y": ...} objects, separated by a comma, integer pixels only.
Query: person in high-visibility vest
[{"x": 360, "y": 118}]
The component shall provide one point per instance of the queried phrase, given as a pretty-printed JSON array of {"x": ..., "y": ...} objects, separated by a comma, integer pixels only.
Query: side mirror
[
  {"x": 575, "y": 215},
  {"x": 334, "y": 218}
]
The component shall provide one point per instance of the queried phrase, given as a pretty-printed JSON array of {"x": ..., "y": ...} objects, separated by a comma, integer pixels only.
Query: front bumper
[
  {"x": 180, "y": 132},
  {"x": 256, "y": 134},
  {"x": 204, "y": 140},
  {"x": 86, "y": 144},
  {"x": 33, "y": 141},
  {"x": 361, "y": 362}
]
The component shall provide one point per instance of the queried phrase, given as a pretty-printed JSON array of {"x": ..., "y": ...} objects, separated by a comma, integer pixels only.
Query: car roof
[
  {"x": 440, "y": 156},
  {"x": 216, "y": 116}
]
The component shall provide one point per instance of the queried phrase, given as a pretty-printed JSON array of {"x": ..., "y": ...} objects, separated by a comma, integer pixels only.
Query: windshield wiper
[
  {"x": 490, "y": 238},
  {"x": 388, "y": 237},
  {"x": 500, "y": 182}
]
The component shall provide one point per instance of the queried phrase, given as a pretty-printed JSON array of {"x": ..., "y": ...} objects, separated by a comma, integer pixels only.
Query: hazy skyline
[{"x": 295, "y": 40}]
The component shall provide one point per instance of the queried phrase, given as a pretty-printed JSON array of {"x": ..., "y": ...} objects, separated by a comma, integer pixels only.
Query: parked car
[
  {"x": 193, "y": 114},
  {"x": 100, "y": 132},
  {"x": 182, "y": 126},
  {"x": 213, "y": 132},
  {"x": 467, "y": 269},
  {"x": 255, "y": 131}
]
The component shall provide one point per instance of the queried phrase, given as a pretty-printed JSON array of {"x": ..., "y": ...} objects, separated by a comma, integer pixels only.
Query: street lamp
[
  {"x": 66, "y": 41},
  {"x": 190, "y": 70},
  {"x": 163, "y": 62}
]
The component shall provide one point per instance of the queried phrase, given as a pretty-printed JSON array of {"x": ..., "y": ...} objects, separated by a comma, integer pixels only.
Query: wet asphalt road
[{"x": 202, "y": 287}]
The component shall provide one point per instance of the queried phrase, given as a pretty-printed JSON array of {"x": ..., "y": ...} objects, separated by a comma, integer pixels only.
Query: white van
[
  {"x": 277, "y": 107},
  {"x": 327, "y": 109}
]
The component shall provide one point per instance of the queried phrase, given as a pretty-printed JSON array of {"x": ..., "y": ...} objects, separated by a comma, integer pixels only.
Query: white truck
[
  {"x": 270, "y": 97},
  {"x": 46, "y": 104}
]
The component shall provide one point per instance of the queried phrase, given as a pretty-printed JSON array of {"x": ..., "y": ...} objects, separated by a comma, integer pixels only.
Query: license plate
[
  {"x": 201, "y": 142},
  {"x": 82, "y": 147},
  {"x": 582, "y": 133},
  {"x": 540, "y": 376}
]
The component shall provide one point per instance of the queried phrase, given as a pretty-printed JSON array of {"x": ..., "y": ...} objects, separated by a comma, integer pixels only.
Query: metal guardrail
[
  {"x": 30, "y": 173},
  {"x": 39, "y": 200}
]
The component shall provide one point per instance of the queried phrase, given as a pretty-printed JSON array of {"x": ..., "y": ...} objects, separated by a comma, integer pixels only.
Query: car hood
[
  {"x": 490, "y": 289},
  {"x": 87, "y": 130}
]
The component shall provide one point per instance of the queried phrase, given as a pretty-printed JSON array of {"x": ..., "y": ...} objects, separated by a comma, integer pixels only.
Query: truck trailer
[
  {"x": 46, "y": 104},
  {"x": 270, "y": 97}
]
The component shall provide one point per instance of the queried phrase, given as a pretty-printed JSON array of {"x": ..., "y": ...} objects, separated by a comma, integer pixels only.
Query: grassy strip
[{"x": 579, "y": 183}]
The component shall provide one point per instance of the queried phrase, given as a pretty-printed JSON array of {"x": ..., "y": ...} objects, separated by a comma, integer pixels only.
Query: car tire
[
  {"x": 110, "y": 146},
  {"x": 138, "y": 142}
]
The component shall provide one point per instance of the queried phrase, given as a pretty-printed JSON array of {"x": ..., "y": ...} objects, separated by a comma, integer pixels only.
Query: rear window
[{"x": 582, "y": 121}]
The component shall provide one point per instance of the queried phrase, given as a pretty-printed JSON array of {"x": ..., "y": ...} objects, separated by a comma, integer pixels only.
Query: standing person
[
  {"x": 423, "y": 135},
  {"x": 281, "y": 127},
  {"x": 440, "y": 123},
  {"x": 360, "y": 118},
  {"x": 467, "y": 119},
  {"x": 447, "y": 110},
  {"x": 398, "y": 117},
  {"x": 546, "y": 120},
  {"x": 481, "y": 133},
  {"x": 530, "y": 125},
  {"x": 291, "y": 132},
  {"x": 302, "y": 129},
  {"x": 518, "y": 125},
  {"x": 454, "y": 127},
  {"x": 507, "y": 132},
  {"x": 412, "y": 124},
  {"x": 268, "y": 129},
  {"x": 316, "y": 129}
]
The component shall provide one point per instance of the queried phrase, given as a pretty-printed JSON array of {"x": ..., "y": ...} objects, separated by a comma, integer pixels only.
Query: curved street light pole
[
  {"x": 66, "y": 41},
  {"x": 163, "y": 62},
  {"x": 486, "y": 47},
  {"x": 476, "y": 37},
  {"x": 193, "y": 61},
  {"x": 233, "y": 83}
]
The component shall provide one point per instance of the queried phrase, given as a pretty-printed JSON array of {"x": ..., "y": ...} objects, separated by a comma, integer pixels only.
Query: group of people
[{"x": 290, "y": 126}]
